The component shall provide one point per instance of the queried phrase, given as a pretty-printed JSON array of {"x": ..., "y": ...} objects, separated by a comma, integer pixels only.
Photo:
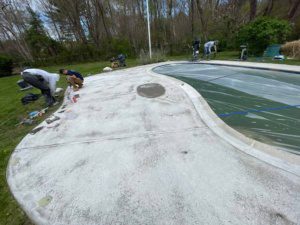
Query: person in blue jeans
[{"x": 74, "y": 78}]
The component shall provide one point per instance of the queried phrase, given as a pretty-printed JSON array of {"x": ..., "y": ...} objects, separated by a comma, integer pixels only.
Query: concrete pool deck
[{"x": 116, "y": 157}]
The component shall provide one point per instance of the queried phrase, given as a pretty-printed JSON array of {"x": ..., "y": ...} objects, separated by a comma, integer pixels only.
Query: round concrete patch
[{"x": 151, "y": 90}]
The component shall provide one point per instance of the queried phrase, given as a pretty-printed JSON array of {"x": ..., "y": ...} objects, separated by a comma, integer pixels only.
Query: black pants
[{"x": 38, "y": 82}]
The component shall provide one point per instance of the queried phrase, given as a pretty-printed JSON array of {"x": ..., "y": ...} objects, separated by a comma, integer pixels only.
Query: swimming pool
[{"x": 261, "y": 104}]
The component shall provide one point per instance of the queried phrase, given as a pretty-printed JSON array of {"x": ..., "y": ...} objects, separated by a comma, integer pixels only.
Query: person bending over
[
  {"x": 208, "y": 46},
  {"x": 42, "y": 80},
  {"x": 74, "y": 79}
]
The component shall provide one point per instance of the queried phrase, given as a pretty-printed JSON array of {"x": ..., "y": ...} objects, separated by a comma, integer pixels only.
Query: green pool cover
[{"x": 261, "y": 104}]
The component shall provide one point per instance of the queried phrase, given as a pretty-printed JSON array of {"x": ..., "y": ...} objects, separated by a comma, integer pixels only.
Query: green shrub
[
  {"x": 262, "y": 32},
  {"x": 6, "y": 66},
  {"x": 122, "y": 46}
]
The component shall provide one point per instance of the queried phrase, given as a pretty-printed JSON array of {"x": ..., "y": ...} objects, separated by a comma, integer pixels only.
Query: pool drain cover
[{"x": 151, "y": 90}]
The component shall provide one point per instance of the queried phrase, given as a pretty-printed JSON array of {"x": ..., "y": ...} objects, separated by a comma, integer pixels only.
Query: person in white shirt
[
  {"x": 208, "y": 46},
  {"x": 44, "y": 81}
]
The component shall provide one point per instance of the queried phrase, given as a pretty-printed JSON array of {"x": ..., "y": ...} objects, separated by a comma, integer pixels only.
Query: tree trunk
[
  {"x": 253, "y": 8},
  {"x": 101, "y": 9},
  {"x": 192, "y": 17},
  {"x": 293, "y": 10},
  {"x": 170, "y": 25},
  {"x": 202, "y": 19},
  {"x": 269, "y": 8}
]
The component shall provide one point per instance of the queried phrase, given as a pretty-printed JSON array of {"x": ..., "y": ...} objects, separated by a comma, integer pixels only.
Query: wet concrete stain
[
  {"x": 147, "y": 124},
  {"x": 262, "y": 210},
  {"x": 151, "y": 90},
  {"x": 112, "y": 115},
  {"x": 131, "y": 88},
  {"x": 93, "y": 108},
  {"x": 92, "y": 134},
  {"x": 278, "y": 218},
  {"x": 77, "y": 165}
]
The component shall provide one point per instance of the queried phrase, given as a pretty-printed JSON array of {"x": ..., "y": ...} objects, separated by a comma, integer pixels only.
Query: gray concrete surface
[{"x": 115, "y": 157}]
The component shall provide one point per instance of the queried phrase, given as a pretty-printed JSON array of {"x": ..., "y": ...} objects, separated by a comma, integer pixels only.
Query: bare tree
[
  {"x": 202, "y": 18},
  {"x": 269, "y": 7},
  {"x": 293, "y": 10},
  {"x": 13, "y": 23},
  {"x": 191, "y": 11},
  {"x": 253, "y": 9},
  {"x": 102, "y": 24}
]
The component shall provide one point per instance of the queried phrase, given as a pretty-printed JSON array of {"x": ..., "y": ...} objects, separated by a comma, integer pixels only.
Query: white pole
[{"x": 149, "y": 31}]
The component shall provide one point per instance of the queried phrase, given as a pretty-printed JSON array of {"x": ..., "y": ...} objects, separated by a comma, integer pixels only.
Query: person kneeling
[{"x": 74, "y": 79}]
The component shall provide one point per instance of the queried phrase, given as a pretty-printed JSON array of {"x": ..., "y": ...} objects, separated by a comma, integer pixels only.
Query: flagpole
[{"x": 149, "y": 31}]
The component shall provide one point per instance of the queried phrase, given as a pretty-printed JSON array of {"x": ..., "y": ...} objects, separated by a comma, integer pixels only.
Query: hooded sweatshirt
[{"x": 50, "y": 78}]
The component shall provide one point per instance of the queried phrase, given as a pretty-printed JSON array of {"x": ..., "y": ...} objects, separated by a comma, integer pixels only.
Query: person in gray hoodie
[
  {"x": 44, "y": 81},
  {"x": 208, "y": 46}
]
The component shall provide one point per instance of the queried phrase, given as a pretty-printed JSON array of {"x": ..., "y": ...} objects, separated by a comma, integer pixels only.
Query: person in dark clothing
[
  {"x": 74, "y": 78},
  {"x": 44, "y": 81},
  {"x": 119, "y": 61},
  {"x": 121, "y": 58},
  {"x": 196, "y": 48}
]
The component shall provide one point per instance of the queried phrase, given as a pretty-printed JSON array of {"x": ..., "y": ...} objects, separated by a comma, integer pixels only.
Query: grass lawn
[{"x": 12, "y": 111}]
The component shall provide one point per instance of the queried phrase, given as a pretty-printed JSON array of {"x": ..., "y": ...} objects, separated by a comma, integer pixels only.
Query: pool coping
[
  {"x": 253, "y": 65},
  {"x": 256, "y": 65},
  {"x": 267, "y": 153}
]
